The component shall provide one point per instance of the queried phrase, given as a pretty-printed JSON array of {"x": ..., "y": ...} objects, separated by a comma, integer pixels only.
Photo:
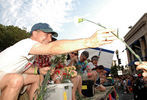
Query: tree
[
  {"x": 9, "y": 35},
  {"x": 114, "y": 70}
]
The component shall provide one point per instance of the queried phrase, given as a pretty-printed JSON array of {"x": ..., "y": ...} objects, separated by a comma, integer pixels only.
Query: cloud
[
  {"x": 25, "y": 13},
  {"x": 122, "y": 13}
]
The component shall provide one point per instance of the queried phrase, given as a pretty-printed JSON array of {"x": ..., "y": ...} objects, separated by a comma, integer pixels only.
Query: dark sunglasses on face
[{"x": 74, "y": 53}]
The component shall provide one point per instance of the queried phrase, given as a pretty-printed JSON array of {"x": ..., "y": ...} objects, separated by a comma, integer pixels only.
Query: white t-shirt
[
  {"x": 90, "y": 64},
  {"x": 68, "y": 62},
  {"x": 16, "y": 58}
]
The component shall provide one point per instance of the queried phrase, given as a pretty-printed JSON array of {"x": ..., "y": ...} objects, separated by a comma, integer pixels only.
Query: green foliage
[
  {"x": 9, "y": 35},
  {"x": 43, "y": 88}
]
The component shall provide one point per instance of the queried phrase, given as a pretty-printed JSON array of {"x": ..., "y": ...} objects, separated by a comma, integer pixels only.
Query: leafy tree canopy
[
  {"x": 9, "y": 35},
  {"x": 114, "y": 70}
]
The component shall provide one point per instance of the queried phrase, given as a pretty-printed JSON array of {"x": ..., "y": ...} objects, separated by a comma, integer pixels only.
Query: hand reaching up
[
  {"x": 101, "y": 37},
  {"x": 143, "y": 67}
]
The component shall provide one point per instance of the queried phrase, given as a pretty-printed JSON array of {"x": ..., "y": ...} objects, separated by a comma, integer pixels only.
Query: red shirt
[{"x": 42, "y": 61}]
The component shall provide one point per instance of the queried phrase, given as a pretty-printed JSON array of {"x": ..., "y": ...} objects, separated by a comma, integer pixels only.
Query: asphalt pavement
[{"x": 124, "y": 96}]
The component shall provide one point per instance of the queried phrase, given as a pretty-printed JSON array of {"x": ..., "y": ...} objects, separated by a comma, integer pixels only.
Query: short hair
[
  {"x": 85, "y": 53},
  {"x": 100, "y": 67},
  {"x": 94, "y": 58}
]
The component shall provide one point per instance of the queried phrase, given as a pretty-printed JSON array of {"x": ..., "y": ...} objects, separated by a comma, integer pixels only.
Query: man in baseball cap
[{"x": 43, "y": 27}]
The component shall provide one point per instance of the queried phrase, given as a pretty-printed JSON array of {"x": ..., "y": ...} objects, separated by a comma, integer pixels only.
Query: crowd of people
[
  {"x": 84, "y": 70},
  {"x": 135, "y": 84},
  {"x": 23, "y": 65},
  {"x": 124, "y": 83}
]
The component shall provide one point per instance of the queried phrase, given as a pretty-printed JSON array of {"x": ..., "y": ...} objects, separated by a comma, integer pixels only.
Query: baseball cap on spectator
[
  {"x": 85, "y": 53},
  {"x": 44, "y": 27}
]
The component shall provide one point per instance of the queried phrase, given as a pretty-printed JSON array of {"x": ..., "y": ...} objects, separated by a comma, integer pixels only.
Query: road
[{"x": 124, "y": 96}]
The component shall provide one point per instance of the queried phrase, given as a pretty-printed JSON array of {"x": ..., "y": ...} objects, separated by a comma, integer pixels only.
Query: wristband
[
  {"x": 35, "y": 70},
  {"x": 38, "y": 71}
]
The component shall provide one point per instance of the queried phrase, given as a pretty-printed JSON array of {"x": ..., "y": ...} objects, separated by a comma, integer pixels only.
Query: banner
[{"x": 105, "y": 56}]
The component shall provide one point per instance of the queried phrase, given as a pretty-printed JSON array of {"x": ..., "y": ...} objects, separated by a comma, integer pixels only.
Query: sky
[{"x": 62, "y": 16}]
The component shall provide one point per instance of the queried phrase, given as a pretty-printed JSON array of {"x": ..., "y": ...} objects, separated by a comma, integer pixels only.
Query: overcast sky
[{"x": 62, "y": 14}]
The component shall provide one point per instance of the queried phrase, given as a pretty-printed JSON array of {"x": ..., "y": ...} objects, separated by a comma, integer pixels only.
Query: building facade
[{"x": 136, "y": 38}]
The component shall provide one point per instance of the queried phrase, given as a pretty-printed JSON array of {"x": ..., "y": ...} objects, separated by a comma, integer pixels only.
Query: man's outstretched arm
[{"x": 99, "y": 38}]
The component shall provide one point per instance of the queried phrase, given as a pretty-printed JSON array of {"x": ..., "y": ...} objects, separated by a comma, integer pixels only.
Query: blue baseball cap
[{"x": 44, "y": 27}]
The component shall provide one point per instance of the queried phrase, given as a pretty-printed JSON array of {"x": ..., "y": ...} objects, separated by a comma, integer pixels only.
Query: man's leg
[
  {"x": 77, "y": 84},
  {"x": 33, "y": 81},
  {"x": 80, "y": 85},
  {"x": 101, "y": 88},
  {"x": 11, "y": 85}
]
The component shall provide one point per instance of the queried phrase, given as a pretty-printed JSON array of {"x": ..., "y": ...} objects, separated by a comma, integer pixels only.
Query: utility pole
[{"x": 119, "y": 60}]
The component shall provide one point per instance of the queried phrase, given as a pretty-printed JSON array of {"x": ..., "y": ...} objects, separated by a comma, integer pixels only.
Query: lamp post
[{"x": 117, "y": 55}]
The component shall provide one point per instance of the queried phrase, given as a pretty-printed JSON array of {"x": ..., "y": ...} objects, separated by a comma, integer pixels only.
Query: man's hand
[
  {"x": 44, "y": 70},
  {"x": 143, "y": 67},
  {"x": 74, "y": 59},
  {"x": 101, "y": 37}
]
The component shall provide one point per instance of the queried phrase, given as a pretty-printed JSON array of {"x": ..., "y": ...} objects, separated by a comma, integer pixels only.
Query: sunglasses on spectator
[{"x": 74, "y": 53}]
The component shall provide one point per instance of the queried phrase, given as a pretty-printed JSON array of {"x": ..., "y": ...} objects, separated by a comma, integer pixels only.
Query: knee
[
  {"x": 16, "y": 81},
  {"x": 79, "y": 77},
  {"x": 37, "y": 79},
  {"x": 102, "y": 88}
]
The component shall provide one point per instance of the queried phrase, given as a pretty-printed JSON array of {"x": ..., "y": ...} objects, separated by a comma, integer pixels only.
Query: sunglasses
[{"x": 74, "y": 53}]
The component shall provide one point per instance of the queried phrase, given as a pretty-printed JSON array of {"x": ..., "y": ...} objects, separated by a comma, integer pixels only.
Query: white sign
[
  {"x": 105, "y": 56},
  {"x": 119, "y": 72}
]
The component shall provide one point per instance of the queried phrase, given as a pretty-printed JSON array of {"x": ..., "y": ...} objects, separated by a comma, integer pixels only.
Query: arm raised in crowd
[{"x": 99, "y": 38}]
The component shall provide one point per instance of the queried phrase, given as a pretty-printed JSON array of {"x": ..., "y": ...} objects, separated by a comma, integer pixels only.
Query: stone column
[
  {"x": 128, "y": 54},
  {"x": 146, "y": 44},
  {"x": 143, "y": 47}
]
